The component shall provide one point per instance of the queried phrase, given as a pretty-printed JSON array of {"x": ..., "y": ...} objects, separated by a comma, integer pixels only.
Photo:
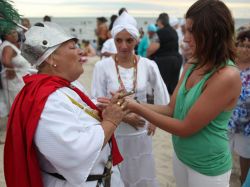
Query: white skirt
[
  {"x": 240, "y": 144},
  {"x": 11, "y": 87},
  {"x": 3, "y": 105},
  {"x": 137, "y": 168}
]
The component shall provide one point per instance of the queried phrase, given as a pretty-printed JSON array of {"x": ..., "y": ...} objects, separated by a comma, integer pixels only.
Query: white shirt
[
  {"x": 69, "y": 142},
  {"x": 105, "y": 80}
]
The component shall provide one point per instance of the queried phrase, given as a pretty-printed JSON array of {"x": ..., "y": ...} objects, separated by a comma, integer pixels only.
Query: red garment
[{"x": 21, "y": 167}]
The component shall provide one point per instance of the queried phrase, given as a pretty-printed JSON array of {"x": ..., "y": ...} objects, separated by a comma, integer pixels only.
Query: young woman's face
[
  {"x": 188, "y": 36},
  {"x": 125, "y": 43},
  {"x": 68, "y": 60}
]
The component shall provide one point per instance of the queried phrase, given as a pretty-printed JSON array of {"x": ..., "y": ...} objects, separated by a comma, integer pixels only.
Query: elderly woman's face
[
  {"x": 125, "y": 43},
  {"x": 68, "y": 60}
]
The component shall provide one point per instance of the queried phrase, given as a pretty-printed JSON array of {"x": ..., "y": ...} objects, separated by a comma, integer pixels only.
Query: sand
[{"x": 162, "y": 146}]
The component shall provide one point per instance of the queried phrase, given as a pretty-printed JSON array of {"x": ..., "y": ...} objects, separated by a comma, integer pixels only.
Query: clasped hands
[{"x": 121, "y": 100}]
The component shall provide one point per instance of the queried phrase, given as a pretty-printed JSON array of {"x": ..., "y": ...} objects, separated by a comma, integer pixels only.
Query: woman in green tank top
[{"x": 201, "y": 105}]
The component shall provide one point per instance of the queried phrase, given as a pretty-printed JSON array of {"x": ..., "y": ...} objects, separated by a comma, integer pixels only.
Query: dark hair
[
  {"x": 101, "y": 19},
  {"x": 164, "y": 19},
  {"x": 122, "y": 10},
  {"x": 46, "y": 18},
  {"x": 213, "y": 32},
  {"x": 245, "y": 34},
  {"x": 6, "y": 32},
  {"x": 85, "y": 42},
  {"x": 2, "y": 37},
  {"x": 112, "y": 20}
]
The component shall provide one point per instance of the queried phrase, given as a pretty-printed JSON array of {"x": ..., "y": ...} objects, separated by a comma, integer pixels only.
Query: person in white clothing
[
  {"x": 108, "y": 48},
  {"x": 130, "y": 73},
  {"x": 14, "y": 66},
  {"x": 56, "y": 135}
]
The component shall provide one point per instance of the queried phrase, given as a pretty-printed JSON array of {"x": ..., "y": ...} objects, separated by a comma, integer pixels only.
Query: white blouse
[{"x": 105, "y": 80}]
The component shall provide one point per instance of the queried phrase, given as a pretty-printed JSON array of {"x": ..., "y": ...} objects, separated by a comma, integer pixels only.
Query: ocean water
[{"x": 85, "y": 26}]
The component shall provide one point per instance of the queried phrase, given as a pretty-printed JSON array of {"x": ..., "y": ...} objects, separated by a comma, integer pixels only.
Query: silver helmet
[{"x": 41, "y": 40}]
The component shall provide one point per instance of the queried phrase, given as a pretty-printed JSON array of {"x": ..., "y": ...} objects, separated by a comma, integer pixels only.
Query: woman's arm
[
  {"x": 153, "y": 47},
  {"x": 210, "y": 104},
  {"x": 7, "y": 55},
  {"x": 168, "y": 110}
]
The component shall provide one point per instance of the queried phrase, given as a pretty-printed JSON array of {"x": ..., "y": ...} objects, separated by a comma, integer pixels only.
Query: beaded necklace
[{"x": 134, "y": 75}]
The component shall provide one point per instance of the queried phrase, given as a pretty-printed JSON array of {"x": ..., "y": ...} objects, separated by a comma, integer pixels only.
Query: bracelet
[{"x": 111, "y": 122}]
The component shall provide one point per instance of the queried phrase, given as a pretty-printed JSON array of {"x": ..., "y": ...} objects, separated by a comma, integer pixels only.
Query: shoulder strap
[
  {"x": 7, "y": 43},
  {"x": 189, "y": 70},
  {"x": 228, "y": 63}
]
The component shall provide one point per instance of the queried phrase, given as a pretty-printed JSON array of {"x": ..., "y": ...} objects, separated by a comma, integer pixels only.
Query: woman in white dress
[
  {"x": 14, "y": 66},
  {"x": 130, "y": 72}
]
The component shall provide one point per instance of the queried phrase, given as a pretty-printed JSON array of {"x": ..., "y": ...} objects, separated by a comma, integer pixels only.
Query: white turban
[{"x": 127, "y": 22}]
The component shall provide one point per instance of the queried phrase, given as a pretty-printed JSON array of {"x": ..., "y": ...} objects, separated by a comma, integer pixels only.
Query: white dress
[
  {"x": 137, "y": 169},
  {"x": 69, "y": 142},
  {"x": 11, "y": 87}
]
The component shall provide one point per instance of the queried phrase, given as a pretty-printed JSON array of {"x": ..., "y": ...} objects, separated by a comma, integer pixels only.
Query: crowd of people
[{"x": 170, "y": 77}]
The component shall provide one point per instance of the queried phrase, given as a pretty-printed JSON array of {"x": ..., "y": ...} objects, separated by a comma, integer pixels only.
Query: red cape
[{"x": 21, "y": 167}]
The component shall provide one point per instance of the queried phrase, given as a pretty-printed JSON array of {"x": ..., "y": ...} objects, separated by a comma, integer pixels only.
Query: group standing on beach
[{"x": 58, "y": 135}]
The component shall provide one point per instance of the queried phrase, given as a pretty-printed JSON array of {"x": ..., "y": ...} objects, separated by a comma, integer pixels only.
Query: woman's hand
[
  {"x": 115, "y": 110},
  {"x": 151, "y": 129},
  {"x": 102, "y": 102},
  {"x": 134, "y": 120},
  {"x": 131, "y": 103}
]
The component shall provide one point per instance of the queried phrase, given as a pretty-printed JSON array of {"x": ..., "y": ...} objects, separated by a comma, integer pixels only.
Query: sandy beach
[{"x": 162, "y": 145}]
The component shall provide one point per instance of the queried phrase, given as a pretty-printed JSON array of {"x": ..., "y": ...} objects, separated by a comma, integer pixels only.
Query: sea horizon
[{"x": 84, "y": 27}]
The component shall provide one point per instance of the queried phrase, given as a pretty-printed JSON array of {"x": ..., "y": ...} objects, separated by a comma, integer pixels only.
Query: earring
[{"x": 54, "y": 65}]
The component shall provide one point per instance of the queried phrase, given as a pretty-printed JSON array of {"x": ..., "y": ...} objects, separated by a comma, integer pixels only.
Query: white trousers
[{"x": 187, "y": 177}]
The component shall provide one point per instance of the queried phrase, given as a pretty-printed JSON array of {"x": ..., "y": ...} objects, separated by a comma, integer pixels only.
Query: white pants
[{"x": 187, "y": 177}]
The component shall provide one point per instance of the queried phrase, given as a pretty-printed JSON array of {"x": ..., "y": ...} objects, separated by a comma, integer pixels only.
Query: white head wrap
[
  {"x": 173, "y": 21},
  {"x": 127, "y": 22}
]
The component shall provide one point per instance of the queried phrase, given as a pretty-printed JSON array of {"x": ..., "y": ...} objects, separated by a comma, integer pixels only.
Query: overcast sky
[{"x": 138, "y": 8}]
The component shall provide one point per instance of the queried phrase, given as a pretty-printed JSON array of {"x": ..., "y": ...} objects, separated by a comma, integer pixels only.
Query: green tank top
[{"x": 207, "y": 151}]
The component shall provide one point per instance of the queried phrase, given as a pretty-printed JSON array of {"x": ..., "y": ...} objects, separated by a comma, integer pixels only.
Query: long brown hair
[{"x": 213, "y": 31}]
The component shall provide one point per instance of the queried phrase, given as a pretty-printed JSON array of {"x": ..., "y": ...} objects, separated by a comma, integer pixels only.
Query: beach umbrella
[{"x": 9, "y": 17}]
